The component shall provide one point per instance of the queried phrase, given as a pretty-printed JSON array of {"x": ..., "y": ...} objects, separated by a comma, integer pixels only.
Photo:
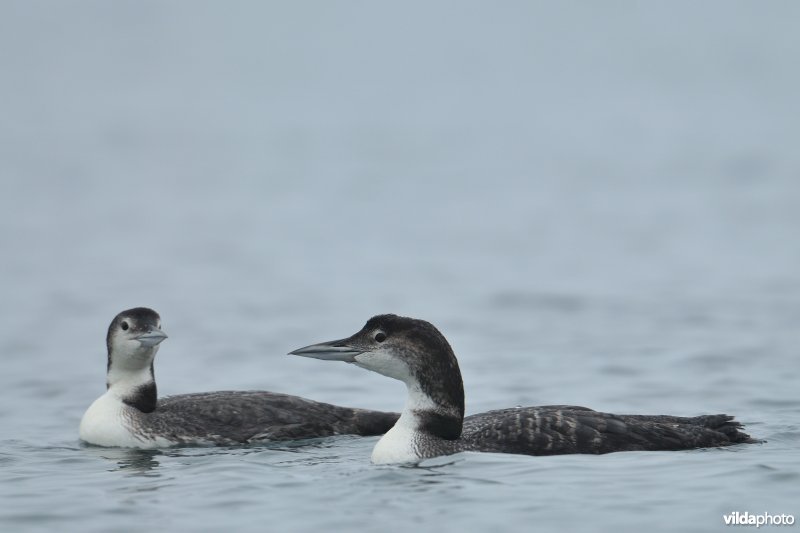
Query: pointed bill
[
  {"x": 329, "y": 351},
  {"x": 152, "y": 337}
]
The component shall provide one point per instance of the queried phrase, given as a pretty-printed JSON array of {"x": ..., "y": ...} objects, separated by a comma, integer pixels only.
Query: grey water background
[{"x": 597, "y": 203}]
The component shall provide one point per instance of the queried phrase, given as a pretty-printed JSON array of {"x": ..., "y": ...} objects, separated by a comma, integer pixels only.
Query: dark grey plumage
[
  {"x": 415, "y": 352},
  {"x": 239, "y": 417},
  {"x": 554, "y": 430}
]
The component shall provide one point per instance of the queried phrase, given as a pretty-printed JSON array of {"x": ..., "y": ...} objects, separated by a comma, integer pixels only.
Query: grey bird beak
[
  {"x": 152, "y": 337},
  {"x": 330, "y": 351}
]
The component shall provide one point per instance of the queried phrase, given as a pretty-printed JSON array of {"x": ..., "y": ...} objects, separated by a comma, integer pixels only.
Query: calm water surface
[{"x": 597, "y": 206}]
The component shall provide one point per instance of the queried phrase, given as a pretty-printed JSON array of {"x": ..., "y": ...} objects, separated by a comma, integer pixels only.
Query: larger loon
[
  {"x": 433, "y": 424},
  {"x": 129, "y": 414}
]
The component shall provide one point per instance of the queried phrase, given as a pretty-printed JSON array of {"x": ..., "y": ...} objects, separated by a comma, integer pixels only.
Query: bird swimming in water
[
  {"x": 433, "y": 424},
  {"x": 130, "y": 414}
]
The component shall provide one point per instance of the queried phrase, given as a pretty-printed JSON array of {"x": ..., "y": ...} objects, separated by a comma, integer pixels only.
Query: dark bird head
[
  {"x": 132, "y": 340},
  {"x": 408, "y": 349}
]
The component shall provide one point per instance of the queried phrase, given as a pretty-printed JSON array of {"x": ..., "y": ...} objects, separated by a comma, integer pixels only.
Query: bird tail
[{"x": 726, "y": 425}]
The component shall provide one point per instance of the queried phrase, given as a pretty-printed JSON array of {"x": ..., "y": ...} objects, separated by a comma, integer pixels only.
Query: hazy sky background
[
  {"x": 305, "y": 165},
  {"x": 598, "y": 203}
]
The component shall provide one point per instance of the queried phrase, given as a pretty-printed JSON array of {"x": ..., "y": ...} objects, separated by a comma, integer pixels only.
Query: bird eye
[
  {"x": 380, "y": 336},
  {"x": 125, "y": 326}
]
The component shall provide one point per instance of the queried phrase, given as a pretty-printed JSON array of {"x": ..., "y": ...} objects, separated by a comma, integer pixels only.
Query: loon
[
  {"x": 433, "y": 424},
  {"x": 131, "y": 415}
]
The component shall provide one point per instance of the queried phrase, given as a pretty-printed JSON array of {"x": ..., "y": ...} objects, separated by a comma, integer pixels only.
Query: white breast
[
  {"x": 107, "y": 423},
  {"x": 401, "y": 443},
  {"x": 398, "y": 445}
]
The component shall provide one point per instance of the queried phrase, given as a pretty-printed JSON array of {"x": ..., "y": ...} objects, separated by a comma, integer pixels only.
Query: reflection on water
[
  {"x": 146, "y": 463},
  {"x": 131, "y": 461}
]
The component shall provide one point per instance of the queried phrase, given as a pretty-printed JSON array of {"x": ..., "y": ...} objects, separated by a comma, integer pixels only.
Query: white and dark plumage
[
  {"x": 130, "y": 414},
  {"x": 432, "y": 422}
]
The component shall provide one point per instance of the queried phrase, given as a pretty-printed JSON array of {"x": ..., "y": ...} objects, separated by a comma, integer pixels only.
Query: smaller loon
[
  {"x": 131, "y": 415},
  {"x": 433, "y": 424}
]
